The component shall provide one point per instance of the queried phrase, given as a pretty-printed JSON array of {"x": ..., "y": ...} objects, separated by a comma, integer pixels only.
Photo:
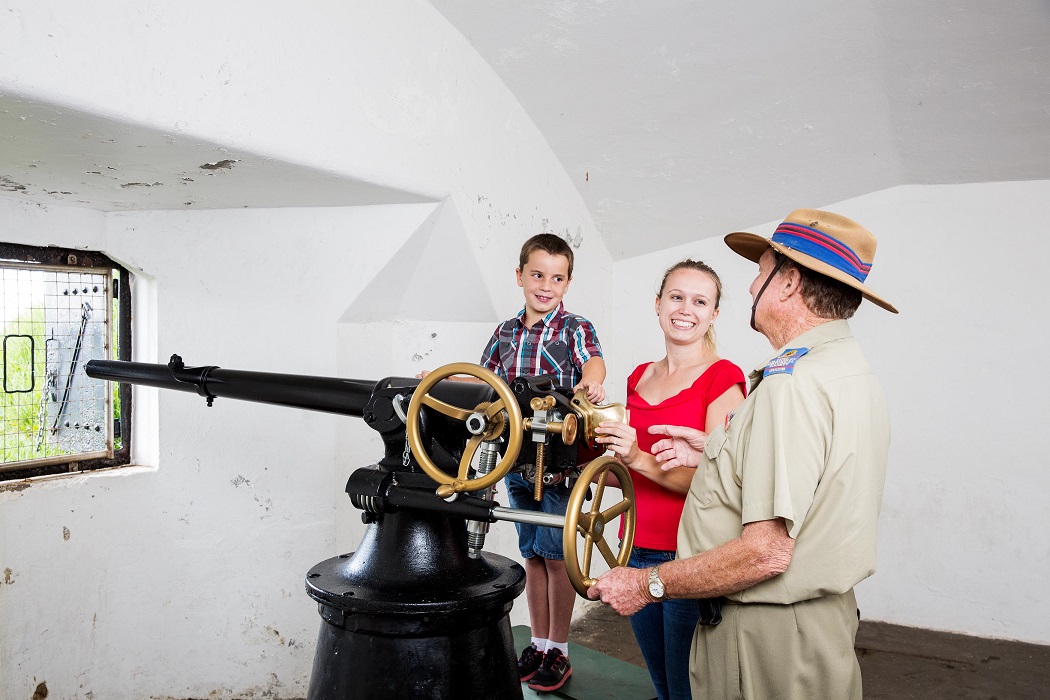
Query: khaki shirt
[{"x": 809, "y": 444}]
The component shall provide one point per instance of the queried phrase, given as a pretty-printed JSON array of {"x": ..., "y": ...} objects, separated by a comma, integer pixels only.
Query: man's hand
[
  {"x": 682, "y": 448},
  {"x": 624, "y": 590},
  {"x": 595, "y": 390}
]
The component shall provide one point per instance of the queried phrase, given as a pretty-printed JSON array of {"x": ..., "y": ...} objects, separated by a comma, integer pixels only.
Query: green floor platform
[{"x": 595, "y": 676}]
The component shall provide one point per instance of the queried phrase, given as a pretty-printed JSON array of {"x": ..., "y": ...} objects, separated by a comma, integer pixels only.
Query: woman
[{"x": 689, "y": 386}]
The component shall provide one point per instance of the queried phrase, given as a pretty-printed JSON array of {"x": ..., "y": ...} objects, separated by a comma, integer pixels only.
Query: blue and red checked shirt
[{"x": 557, "y": 344}]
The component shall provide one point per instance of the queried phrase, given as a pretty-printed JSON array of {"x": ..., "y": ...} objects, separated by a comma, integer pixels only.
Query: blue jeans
[
  {"x": 665, "y": 632},
  {"x": 537, "y": 540}
]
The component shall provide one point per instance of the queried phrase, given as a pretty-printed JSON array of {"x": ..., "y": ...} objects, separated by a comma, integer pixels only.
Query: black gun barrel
[{"x": 346, "y": 397}]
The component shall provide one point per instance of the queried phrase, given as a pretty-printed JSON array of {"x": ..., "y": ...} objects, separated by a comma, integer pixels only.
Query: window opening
[{"x": 60, "y": 309}]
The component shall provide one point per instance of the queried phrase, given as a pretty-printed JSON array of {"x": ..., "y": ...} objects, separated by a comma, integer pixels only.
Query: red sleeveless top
[{"x": 659, "y": 509}]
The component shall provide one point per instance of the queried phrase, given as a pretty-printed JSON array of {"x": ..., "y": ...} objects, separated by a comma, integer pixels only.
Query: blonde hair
[{"x": 699, "y": 266}]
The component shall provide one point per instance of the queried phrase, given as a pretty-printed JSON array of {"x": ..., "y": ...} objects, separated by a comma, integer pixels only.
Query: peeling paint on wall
[
  {"x": 9, "y": 185},
  {"x": 9, "y": 577},
  {"x": 225, "y": 164}
]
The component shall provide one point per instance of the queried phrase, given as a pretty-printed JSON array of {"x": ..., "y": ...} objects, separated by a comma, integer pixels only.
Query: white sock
[
  {"x": 540, "y": 644},
  {"x": 562, "y": 646}
]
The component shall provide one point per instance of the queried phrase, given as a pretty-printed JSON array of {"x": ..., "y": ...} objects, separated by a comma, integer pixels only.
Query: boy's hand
[
  {"x": 595, "y": 391},
  {"x": 683, "y": 447}
]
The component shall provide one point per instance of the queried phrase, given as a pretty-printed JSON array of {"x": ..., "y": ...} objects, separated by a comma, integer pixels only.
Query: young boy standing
[{"x": 545, "y": 339}]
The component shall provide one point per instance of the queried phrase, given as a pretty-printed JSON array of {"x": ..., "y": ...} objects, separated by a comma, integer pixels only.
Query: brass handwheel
[
  {"x": 593, "y": 524},
  {"x": 496, "y": 416}
]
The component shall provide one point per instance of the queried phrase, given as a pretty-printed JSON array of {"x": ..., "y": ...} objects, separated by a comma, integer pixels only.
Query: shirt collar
[
  {"x": 824, "y": 333},
  {"x": 546, "y": 320}
]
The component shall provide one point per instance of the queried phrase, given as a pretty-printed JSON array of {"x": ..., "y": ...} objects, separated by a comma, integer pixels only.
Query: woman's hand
[
  {"x": 683, "y": 447},
  {"x": 621, "y": 439}
]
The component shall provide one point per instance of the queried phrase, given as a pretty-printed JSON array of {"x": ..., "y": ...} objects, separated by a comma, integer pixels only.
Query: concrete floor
[{"x": 898, "y": 663}]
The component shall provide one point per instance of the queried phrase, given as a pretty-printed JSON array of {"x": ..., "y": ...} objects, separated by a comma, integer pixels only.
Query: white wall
[
  {"x": 184, "y": 577},
  {"x": 962, "y": 545}
]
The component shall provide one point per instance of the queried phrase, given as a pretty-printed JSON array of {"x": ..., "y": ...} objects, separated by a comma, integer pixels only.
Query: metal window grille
[{"x": 54, "y": 320}]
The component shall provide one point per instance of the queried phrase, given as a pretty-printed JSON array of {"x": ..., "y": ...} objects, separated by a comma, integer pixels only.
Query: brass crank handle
[
  {"x": 593, "y": 524},
  {"x": 448, "y": 484}
]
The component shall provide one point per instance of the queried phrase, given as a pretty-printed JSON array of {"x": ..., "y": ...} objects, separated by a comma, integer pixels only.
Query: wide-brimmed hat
[{"x": 822, "y": 241}]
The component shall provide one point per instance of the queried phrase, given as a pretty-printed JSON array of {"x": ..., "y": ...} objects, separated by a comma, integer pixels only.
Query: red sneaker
[
  {"x": 529, "y": 662},
  {"x": 553, "y": 672}
]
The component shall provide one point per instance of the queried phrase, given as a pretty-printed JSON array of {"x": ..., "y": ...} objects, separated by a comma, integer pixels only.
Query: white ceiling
[
  {"x": 680, "y": 119},
  {"x": 676, "y": 119},
  {"x": 56, "y": 155}
]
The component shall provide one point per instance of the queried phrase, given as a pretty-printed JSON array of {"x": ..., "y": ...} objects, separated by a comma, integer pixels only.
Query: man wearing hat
[{"x": 779, "y": 522}]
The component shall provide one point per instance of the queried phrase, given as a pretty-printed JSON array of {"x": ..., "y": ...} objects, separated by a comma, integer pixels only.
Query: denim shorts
[{"x": 536, "y": 540}]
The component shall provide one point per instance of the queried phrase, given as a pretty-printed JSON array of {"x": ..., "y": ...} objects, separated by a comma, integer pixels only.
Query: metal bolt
[
  {"x": 95, "y": 289},
  {"x": 67, "y": 424},
  {"x": 85, "y": 290},
  {"x": 74, "y": 291},
  {"x": 66, "y": 292},
  {"x": 75, "y": 425},
  {"x": 98, "y": 428}
]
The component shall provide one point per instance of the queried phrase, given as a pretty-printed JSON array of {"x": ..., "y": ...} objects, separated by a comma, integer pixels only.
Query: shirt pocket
[
  {"x": 508, "y": 357},
  {"x": 708, "y": 468},
  {"x": 554, "y": 358}
]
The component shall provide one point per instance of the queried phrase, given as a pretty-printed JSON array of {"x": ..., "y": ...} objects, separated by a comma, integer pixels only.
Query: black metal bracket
[{"x": 195, "y": 376}]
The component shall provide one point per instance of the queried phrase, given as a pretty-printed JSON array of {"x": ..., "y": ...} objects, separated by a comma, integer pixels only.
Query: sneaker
[
  {"x": 553, "y": 673},
  {"x": 529, "y": 662}
]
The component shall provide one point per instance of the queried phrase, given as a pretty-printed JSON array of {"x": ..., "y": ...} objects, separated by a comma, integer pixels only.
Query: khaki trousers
[{"x": 764, "y": 651}]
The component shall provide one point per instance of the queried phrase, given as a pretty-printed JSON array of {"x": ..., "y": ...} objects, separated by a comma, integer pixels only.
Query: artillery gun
[{"x": 419, "y": 610}]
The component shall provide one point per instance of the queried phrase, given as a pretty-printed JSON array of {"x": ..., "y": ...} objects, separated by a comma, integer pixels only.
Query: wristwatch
[{"x": 656, "y": 585}]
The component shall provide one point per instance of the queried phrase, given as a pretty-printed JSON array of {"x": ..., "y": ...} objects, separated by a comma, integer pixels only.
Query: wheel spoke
[
  {"x": 446, "y": 408},
  {"x": 618, "y": 509},
  {"x": 468, "y": 455},
  {"x": 603, "y": 547},
  {"x": 599, "y": 491},
  {"x": 588, "y": 548}
]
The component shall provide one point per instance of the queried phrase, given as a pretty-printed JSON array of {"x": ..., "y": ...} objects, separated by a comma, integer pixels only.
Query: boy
[{"x": 545, "y": 339}]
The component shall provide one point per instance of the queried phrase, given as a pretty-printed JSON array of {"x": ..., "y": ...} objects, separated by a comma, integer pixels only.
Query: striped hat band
[{"x": 823, "y": 247}]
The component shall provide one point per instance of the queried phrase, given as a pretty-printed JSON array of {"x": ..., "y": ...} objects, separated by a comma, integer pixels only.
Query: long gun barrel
[{"x": 346, "y": 397}]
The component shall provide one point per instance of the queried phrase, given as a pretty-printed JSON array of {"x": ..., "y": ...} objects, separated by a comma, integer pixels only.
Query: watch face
[{"x": 656, "y": 590}]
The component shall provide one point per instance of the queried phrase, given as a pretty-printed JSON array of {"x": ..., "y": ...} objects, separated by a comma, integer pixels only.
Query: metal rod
[
  {"x": 530, "y": 517},
  {"x": 84, "y": 315}
]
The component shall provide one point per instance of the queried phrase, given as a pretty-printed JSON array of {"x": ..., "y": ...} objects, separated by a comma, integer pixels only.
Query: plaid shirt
[{"x": 557, "y": 344}]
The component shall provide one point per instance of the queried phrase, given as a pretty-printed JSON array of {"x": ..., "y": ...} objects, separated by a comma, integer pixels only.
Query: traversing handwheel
[
  {"x": 486, "y": 421},
  {"x": 593, "y": 523}
]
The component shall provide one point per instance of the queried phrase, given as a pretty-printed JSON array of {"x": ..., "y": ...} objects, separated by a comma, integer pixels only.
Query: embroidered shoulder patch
[{"x": 784, "y": 363}]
